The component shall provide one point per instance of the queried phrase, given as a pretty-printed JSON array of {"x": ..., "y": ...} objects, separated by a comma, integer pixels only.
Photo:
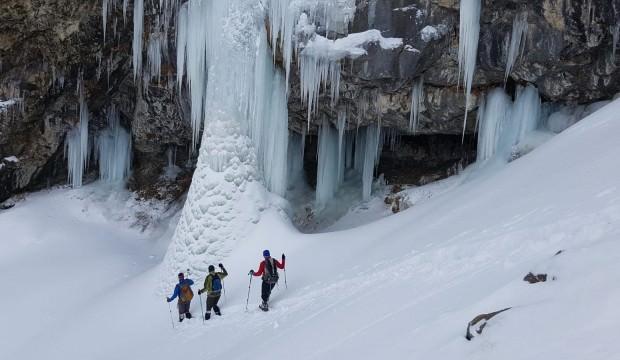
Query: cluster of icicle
[
  {"x": 341, "y": 151},
  {"x": 112, "y": 146},
  {"x": 503, "y": 125}
]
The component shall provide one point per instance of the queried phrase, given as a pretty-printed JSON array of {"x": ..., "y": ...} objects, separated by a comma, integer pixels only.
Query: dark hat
[
  {"x": 266, "y": 253},
  {"x": 211, "y": 268}
]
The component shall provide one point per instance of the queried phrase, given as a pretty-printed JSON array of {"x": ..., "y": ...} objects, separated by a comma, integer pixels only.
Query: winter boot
[
  {"x": 264, "y": 306},
  {"x": 217, "y": 311},
  {"x": 188, "y": 315},
  {"x": 207, "y": 315}
]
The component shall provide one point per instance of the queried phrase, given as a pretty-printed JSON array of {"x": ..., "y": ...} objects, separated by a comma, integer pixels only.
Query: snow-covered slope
[{"x": 78, "y": 286}]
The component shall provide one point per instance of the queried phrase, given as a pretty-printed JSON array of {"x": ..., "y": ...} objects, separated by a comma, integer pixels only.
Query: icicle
[
  {"x": 469, "y": 34},
  {"x": 138, "y": 29},
  {"x": 517, "y": 42},
  {"x": 342, "y": 120},
  {"x": 417, "y": 94},
  {"x": 615, "y": 34},
  {"x": 494, "y": 125},
  {"x": 327, "y": 169},
  {"x": 371, "y": 152},
  {"x": 154, "y": 54},
  {"x": 114, "y": 150},
  {"x": 104, "y": 16},
  {"x": 181, "y": 44},
  {"x": 303, "y": 143},
  {"x": 372, "y": 10},
  {"x": 125, "y": 11}
]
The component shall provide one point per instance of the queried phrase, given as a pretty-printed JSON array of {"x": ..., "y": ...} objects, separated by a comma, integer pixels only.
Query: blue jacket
[{"x": 177, "y": 289}]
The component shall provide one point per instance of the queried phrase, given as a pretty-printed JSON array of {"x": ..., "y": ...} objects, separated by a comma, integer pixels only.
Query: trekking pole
[
  {"x": 223, "y": 292},
  {"x": 202, "y": 311},
  {"x": 171, "y": 318},
  {"x": 285, "y": 284},
  {"x": 247, "y": 301}
]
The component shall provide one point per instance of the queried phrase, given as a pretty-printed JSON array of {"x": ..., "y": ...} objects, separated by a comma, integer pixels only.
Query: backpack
[
  {"x": 216, "y": 284},
  {"x": 186, "y": 294},
  {"x": 271, "y": 272}
]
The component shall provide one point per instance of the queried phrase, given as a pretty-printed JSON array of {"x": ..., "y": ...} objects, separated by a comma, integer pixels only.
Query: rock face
[
  {"x": 568, "y": 54},
  {"x": 46, "y": 45}
]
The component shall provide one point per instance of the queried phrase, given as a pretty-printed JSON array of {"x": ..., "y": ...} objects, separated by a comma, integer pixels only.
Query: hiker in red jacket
[{"x": 268, "y": 269}]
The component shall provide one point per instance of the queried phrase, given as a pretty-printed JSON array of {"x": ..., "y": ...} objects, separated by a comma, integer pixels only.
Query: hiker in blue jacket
[{"x": 184, "y": 291}]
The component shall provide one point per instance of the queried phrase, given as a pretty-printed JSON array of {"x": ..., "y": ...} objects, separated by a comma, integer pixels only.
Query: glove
[
  {"x": 168, "y": 299},
  {"x": 251, "y": 272},
  {"x": 221, "y": 266},
  {"x": 283, "y": 257}
]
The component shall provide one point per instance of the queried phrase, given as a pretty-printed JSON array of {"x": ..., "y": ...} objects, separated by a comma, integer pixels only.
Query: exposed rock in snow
[
  {"x": 480, "y": 322},
  {"x": 533, "y": 279}
]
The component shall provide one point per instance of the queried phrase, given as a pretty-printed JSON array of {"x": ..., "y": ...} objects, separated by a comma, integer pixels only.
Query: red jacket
[{"x": 261, "y": 267}]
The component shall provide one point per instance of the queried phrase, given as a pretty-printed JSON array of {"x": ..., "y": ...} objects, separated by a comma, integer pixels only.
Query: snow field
[{"x": 401, "y": 287}]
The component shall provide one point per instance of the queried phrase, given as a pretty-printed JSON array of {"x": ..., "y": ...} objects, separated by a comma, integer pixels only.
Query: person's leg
[
  {"x": 181, "y": 309},
  {"x": 209, "y": 307},
  {"x": 187, "y": 313},
  {"x": 216, "y": 308},
  {"x": 265, "y": 291}
]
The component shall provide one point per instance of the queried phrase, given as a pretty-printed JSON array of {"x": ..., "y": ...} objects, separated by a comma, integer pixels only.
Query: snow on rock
[
  {"x": 351, "y": 46},
  {"x": 430, "y": 33},
  {"x": 12, "y": 159}
]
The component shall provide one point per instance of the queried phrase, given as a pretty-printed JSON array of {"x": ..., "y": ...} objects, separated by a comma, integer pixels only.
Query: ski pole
[
  {"x": 171, "y": 318},
  {"x": 247, "y": 301},
  {"x": 202, "y": 311},
  {"x": 285, "y": 284}
]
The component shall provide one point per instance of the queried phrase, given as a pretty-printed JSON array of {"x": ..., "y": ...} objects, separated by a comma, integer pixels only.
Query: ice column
[
  {"x": 327, "y": 171},
  {"x": 417, "y": 94},
  {"x": 494, "y": 122},
  {"x": 76, "y": 145},
  {"x": 371, "y": 158},
  {"x": 527, "y": 111}
]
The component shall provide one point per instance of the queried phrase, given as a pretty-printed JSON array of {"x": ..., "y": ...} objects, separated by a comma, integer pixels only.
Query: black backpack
[{"x": 271, "y": 272}]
